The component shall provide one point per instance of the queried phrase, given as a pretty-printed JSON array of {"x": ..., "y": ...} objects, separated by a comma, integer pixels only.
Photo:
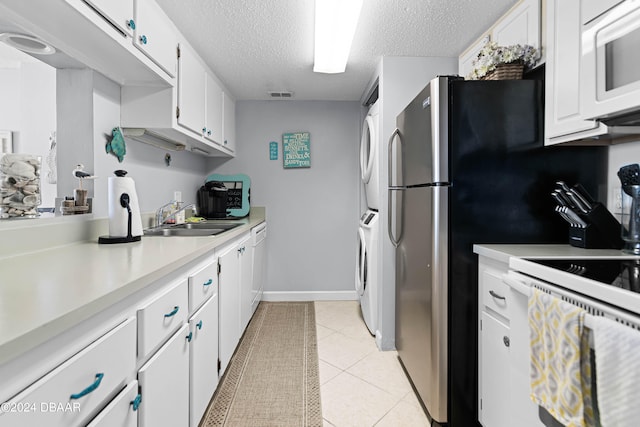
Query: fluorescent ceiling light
[{"x": 336, "y": 22}]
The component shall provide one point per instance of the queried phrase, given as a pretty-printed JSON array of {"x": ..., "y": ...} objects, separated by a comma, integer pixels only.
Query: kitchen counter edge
[{"x": 503, "y": 252}]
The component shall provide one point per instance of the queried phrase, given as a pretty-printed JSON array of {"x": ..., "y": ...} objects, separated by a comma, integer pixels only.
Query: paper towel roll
[{"x": 118, "y": 216}]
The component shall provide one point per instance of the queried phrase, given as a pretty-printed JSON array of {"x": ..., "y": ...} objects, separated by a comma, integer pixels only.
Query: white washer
[
  {"x": 369, "y": 157},
  {"x": 366, "y": 274}
]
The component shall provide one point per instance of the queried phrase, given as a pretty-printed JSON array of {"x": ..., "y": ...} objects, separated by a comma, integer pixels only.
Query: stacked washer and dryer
[{"x": 366, "y": 280}]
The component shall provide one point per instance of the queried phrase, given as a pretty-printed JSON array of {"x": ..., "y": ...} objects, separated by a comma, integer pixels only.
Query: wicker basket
[{"x": 505, "y": 72}]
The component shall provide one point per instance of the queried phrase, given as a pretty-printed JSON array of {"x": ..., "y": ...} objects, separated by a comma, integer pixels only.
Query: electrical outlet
[{"x": 617, "y": 199}]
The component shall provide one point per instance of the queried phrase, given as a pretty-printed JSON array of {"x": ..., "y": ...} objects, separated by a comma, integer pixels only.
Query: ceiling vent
[{"x": 280, "y": 94}]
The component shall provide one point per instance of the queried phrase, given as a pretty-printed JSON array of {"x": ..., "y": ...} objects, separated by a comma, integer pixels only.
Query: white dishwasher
[{"x": 258, "y": 241}]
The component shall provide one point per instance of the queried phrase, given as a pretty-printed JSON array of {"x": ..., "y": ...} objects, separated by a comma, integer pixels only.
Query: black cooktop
[{"x": 622, "y": 273}]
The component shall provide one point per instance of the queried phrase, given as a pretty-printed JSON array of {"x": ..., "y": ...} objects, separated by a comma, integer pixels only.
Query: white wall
[
  {"x": 312, "y": 213},
  {"x": 619, "y": 155},
  {"x": 155, "y": 181},
  {"x": 88, "y": 109},
  {"x": 28, "y": 109}
]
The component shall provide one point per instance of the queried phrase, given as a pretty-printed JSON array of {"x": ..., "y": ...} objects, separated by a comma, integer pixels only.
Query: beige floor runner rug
[{"x": 272, "y": 379}]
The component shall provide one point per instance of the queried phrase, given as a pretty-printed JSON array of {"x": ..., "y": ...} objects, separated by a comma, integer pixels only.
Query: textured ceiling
[{"x": 256, "y": 46}]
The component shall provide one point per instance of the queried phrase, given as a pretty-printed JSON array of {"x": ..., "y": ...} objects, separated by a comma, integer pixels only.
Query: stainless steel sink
[{"x": 191, "y": 229}]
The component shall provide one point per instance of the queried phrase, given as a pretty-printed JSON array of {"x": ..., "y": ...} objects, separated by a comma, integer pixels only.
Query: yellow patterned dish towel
[{"x": 560, "y": 359}]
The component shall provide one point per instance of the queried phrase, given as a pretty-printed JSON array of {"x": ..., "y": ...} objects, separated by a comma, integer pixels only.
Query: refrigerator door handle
[
  {"x": 390, "y": 169},
  {"x": 395, "y": 241}
]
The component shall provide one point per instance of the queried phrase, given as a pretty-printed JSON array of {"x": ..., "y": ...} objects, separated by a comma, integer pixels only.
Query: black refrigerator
[{"x": 467, "y": 165}]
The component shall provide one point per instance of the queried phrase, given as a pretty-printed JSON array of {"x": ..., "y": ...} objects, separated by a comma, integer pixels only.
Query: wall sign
[
  {"x": 296, "y": 150},
  {"x": 273, "y": 150}
]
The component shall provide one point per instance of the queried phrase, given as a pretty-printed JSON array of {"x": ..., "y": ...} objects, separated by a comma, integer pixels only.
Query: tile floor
[{"x": 359, "y": 385}]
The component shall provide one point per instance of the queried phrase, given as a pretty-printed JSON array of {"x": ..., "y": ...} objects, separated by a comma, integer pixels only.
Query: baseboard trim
[{"x": 310, "y": 296}]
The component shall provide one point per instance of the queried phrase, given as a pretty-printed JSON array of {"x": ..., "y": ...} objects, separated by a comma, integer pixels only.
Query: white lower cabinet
[
  {"x": 503, "y": 351},
  {"x": 159, "y": 368},
  {"x": 75, "y": 391},
  {"x": 495, "y": 373},
  {"x": 122, "y": 411},
  {"x": 229, "y": 291},
  {"x": 203, "y": 355},
  {"x": 164, "y": 384}
]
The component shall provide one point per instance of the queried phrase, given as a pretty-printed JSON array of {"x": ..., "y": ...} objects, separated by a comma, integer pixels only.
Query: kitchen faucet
[{"x": 160, "y": 219}]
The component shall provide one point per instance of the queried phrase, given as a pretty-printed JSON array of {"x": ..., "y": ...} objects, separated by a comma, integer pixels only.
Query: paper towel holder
[{"x": 124, "y": 202}]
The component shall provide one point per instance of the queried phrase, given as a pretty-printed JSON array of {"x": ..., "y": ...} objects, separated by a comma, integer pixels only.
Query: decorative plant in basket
[{"x": 503, "y": 62}]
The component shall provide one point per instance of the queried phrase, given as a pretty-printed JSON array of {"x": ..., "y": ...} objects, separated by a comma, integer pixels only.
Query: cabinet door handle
[
  {"x": 497, "y": 296},
  {"x": 189, "y": 336},
  {"x": 199, "y": 324},
  {"x": 143, "y": 39},
  {"x": 89, "y": 389},
  {"x": 209, "y": 132},
  {"x": 136, "y": 402},
  {"x": 173, "y": 312},
  {"x": 131, "y": 24},
  {"x": 208, "y": 282},
  {"x": 506, "y": 341}
]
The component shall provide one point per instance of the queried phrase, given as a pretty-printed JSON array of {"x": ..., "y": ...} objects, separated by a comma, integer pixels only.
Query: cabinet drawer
[
  {"x": 74, "y": 391},
  {"x": 122, "y": 411},
  {"x": 161, "y": 317},
  {"x": 202, "y": 285},
  {"x": 495, "y": 293}
]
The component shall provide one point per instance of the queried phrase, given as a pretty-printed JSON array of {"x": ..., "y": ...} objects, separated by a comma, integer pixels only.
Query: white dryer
[
  {"x": 366, "y": 273},
  {"x": 369, "y": 157}
]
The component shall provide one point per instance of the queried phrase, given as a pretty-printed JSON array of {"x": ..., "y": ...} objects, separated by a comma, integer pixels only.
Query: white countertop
[
  {"x": 46, "y": 292},
  {"x": 502, "y": 253}
]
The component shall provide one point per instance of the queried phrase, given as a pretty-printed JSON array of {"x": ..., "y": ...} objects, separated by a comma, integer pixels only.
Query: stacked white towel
[{"x": 617, "y": 349}]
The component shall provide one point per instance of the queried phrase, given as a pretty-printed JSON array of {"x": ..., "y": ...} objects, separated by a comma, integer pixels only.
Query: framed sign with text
[{"x": 296, "y": 150}]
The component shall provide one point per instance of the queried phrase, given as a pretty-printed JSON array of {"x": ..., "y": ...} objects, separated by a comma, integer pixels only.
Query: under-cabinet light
[
  {"x": 28, "y": 44},
  {"x": 336, "y": 22},
  {"x": 152, "y": 138}
]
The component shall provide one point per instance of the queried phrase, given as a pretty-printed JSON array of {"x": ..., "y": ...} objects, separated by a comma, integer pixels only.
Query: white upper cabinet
[
  {"x": 520, "y": 25},
  {"x": 199, "y": 97},
  {"x": 190, "y": 113},
  {"x": 118, "y": 12},
  {"x": 563, "y": 118},
  {"x": 156, "y": 35},
  {"x": 229, "y": 128},
  {"x": 213, "y": 110},
  {"x": 191, "y": 90}
]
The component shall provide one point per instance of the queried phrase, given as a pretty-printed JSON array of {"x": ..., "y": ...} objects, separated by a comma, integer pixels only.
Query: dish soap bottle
[{"x": 179, "y": 216}]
